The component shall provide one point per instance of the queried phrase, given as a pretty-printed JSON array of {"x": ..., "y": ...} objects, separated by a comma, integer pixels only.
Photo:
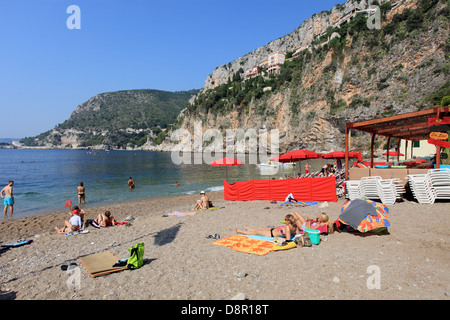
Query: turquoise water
[{"x": 45, "y": 179}]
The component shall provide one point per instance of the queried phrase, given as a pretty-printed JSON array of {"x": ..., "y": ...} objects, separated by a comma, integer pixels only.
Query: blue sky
[{"x": 47, "y": 69}]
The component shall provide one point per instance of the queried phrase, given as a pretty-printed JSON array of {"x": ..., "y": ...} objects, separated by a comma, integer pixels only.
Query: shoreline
[{"x": 58, "y": 216}]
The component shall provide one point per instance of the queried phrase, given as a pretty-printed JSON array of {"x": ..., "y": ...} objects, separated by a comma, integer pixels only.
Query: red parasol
[
  {"x": 298, "y": 155},
  {"x": 226, "y": 162},
  {"x": 341, "y": 155},
  {"x": 393, "y": 153}
]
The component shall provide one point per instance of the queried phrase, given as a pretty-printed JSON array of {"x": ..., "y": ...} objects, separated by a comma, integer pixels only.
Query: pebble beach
[{"x": 411, "y": 261}]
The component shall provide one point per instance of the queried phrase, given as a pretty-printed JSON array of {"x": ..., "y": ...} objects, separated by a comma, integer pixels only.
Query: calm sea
[{"x": 45, "y": 179}]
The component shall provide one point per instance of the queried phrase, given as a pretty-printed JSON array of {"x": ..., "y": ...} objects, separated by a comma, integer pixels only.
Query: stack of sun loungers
[
  {"x": 421, "y": 188},
  {"x": 353, "y": 189},
  {"x": 435, "y": 184},
  {"x": 387, "y": 190}
]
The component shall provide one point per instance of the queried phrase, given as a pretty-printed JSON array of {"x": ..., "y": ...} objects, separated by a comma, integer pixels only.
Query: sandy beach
[{"x": 180, "y": 263}]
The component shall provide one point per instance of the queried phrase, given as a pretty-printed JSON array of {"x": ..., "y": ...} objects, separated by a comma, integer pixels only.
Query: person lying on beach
[
  {"x": 105, "y": 219},
  {"x": 289, "y": 229},
  {"x": 321, "y": 219},
  {"x": 204, "y": 202}
]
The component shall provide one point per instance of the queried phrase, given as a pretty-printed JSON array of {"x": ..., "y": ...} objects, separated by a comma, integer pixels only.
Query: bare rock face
[
  {"x": 298, "y": 39},
  {"x": 372, "y": 78}
]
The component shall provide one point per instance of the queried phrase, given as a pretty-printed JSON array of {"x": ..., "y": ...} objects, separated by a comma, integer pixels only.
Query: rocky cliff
[
  {"x": 300, "y": 38},
  {"x": 129, "y": 119},
  {"x": 338, "y": 69}
]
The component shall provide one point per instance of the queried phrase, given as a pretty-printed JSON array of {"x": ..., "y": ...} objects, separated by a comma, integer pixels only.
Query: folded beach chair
[
  {"x": 440, "y": 182},
  {"x": 353, "y": 189}
]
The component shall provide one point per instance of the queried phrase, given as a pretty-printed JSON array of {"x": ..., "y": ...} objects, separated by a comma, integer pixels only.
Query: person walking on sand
[
  {"x": 130, "y": 183},
  {"x": 81, "y": 193},
  {"x": 8, "y": 198}
]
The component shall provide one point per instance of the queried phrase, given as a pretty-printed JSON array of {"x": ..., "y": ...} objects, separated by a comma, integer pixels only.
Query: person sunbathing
[
  {"x": 105, "y": 219},
  {"x": 286, "y": 231},
  {"x": 307, "y": 223},
  {"x": 204, "y": 202}
]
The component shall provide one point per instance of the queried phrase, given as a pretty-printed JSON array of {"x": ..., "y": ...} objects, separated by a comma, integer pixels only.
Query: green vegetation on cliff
[
  {"x": 119, "y": 119},
  {"x": 352, "y": 38}
]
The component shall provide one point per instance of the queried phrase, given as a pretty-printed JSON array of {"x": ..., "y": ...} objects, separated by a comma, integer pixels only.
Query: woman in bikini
[
  {"x": 286, "y": 231},
  {"x": 321, "y": 219},
  {"x": 105, "y": 220}
]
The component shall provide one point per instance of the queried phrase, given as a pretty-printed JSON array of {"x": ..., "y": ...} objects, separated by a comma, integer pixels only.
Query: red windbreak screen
[{"x": 306, "y": 189}]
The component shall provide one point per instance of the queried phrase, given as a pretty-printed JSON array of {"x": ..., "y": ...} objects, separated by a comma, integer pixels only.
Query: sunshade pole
[
  {"x": 438, "y": 157},
  {"x": 398, "y": 148},
  {"x": 387, "y": 156},
  {"x": 346, "y": 151},
  {"x": 372, "y": 142},
  {"x": 406, "y": 149}
]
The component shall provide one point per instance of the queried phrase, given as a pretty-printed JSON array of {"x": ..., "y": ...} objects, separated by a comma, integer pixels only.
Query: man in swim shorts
[{"x": 8, "y": 198}]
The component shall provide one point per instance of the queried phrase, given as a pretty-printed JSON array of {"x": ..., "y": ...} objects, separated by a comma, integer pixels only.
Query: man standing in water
[{"x": 8, "y": 198}]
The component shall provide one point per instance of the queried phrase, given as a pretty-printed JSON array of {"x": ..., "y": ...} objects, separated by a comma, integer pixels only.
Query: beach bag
[
  {"x": 136, "y": 259},
  {"x": 303, "y": 240}
]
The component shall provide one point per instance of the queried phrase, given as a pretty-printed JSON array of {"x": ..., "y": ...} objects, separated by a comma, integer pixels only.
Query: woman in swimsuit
[
  {"x": 321, "y": 219},
  {"x": 81, "y": 194},
  {"x": 105, "y": 220},
  {"x": 285, "y": 231}
]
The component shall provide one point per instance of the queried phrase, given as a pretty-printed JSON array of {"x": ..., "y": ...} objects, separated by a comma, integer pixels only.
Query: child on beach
[
  {"x": 75, "y": 222},
  {"x": 289, "y": 229},
  {"x": 321, "y": 220},
  {"x": 77, "y": 211}
]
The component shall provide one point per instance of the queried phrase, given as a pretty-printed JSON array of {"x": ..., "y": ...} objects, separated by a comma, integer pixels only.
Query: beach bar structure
[{"x": 413, "y": 126}]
